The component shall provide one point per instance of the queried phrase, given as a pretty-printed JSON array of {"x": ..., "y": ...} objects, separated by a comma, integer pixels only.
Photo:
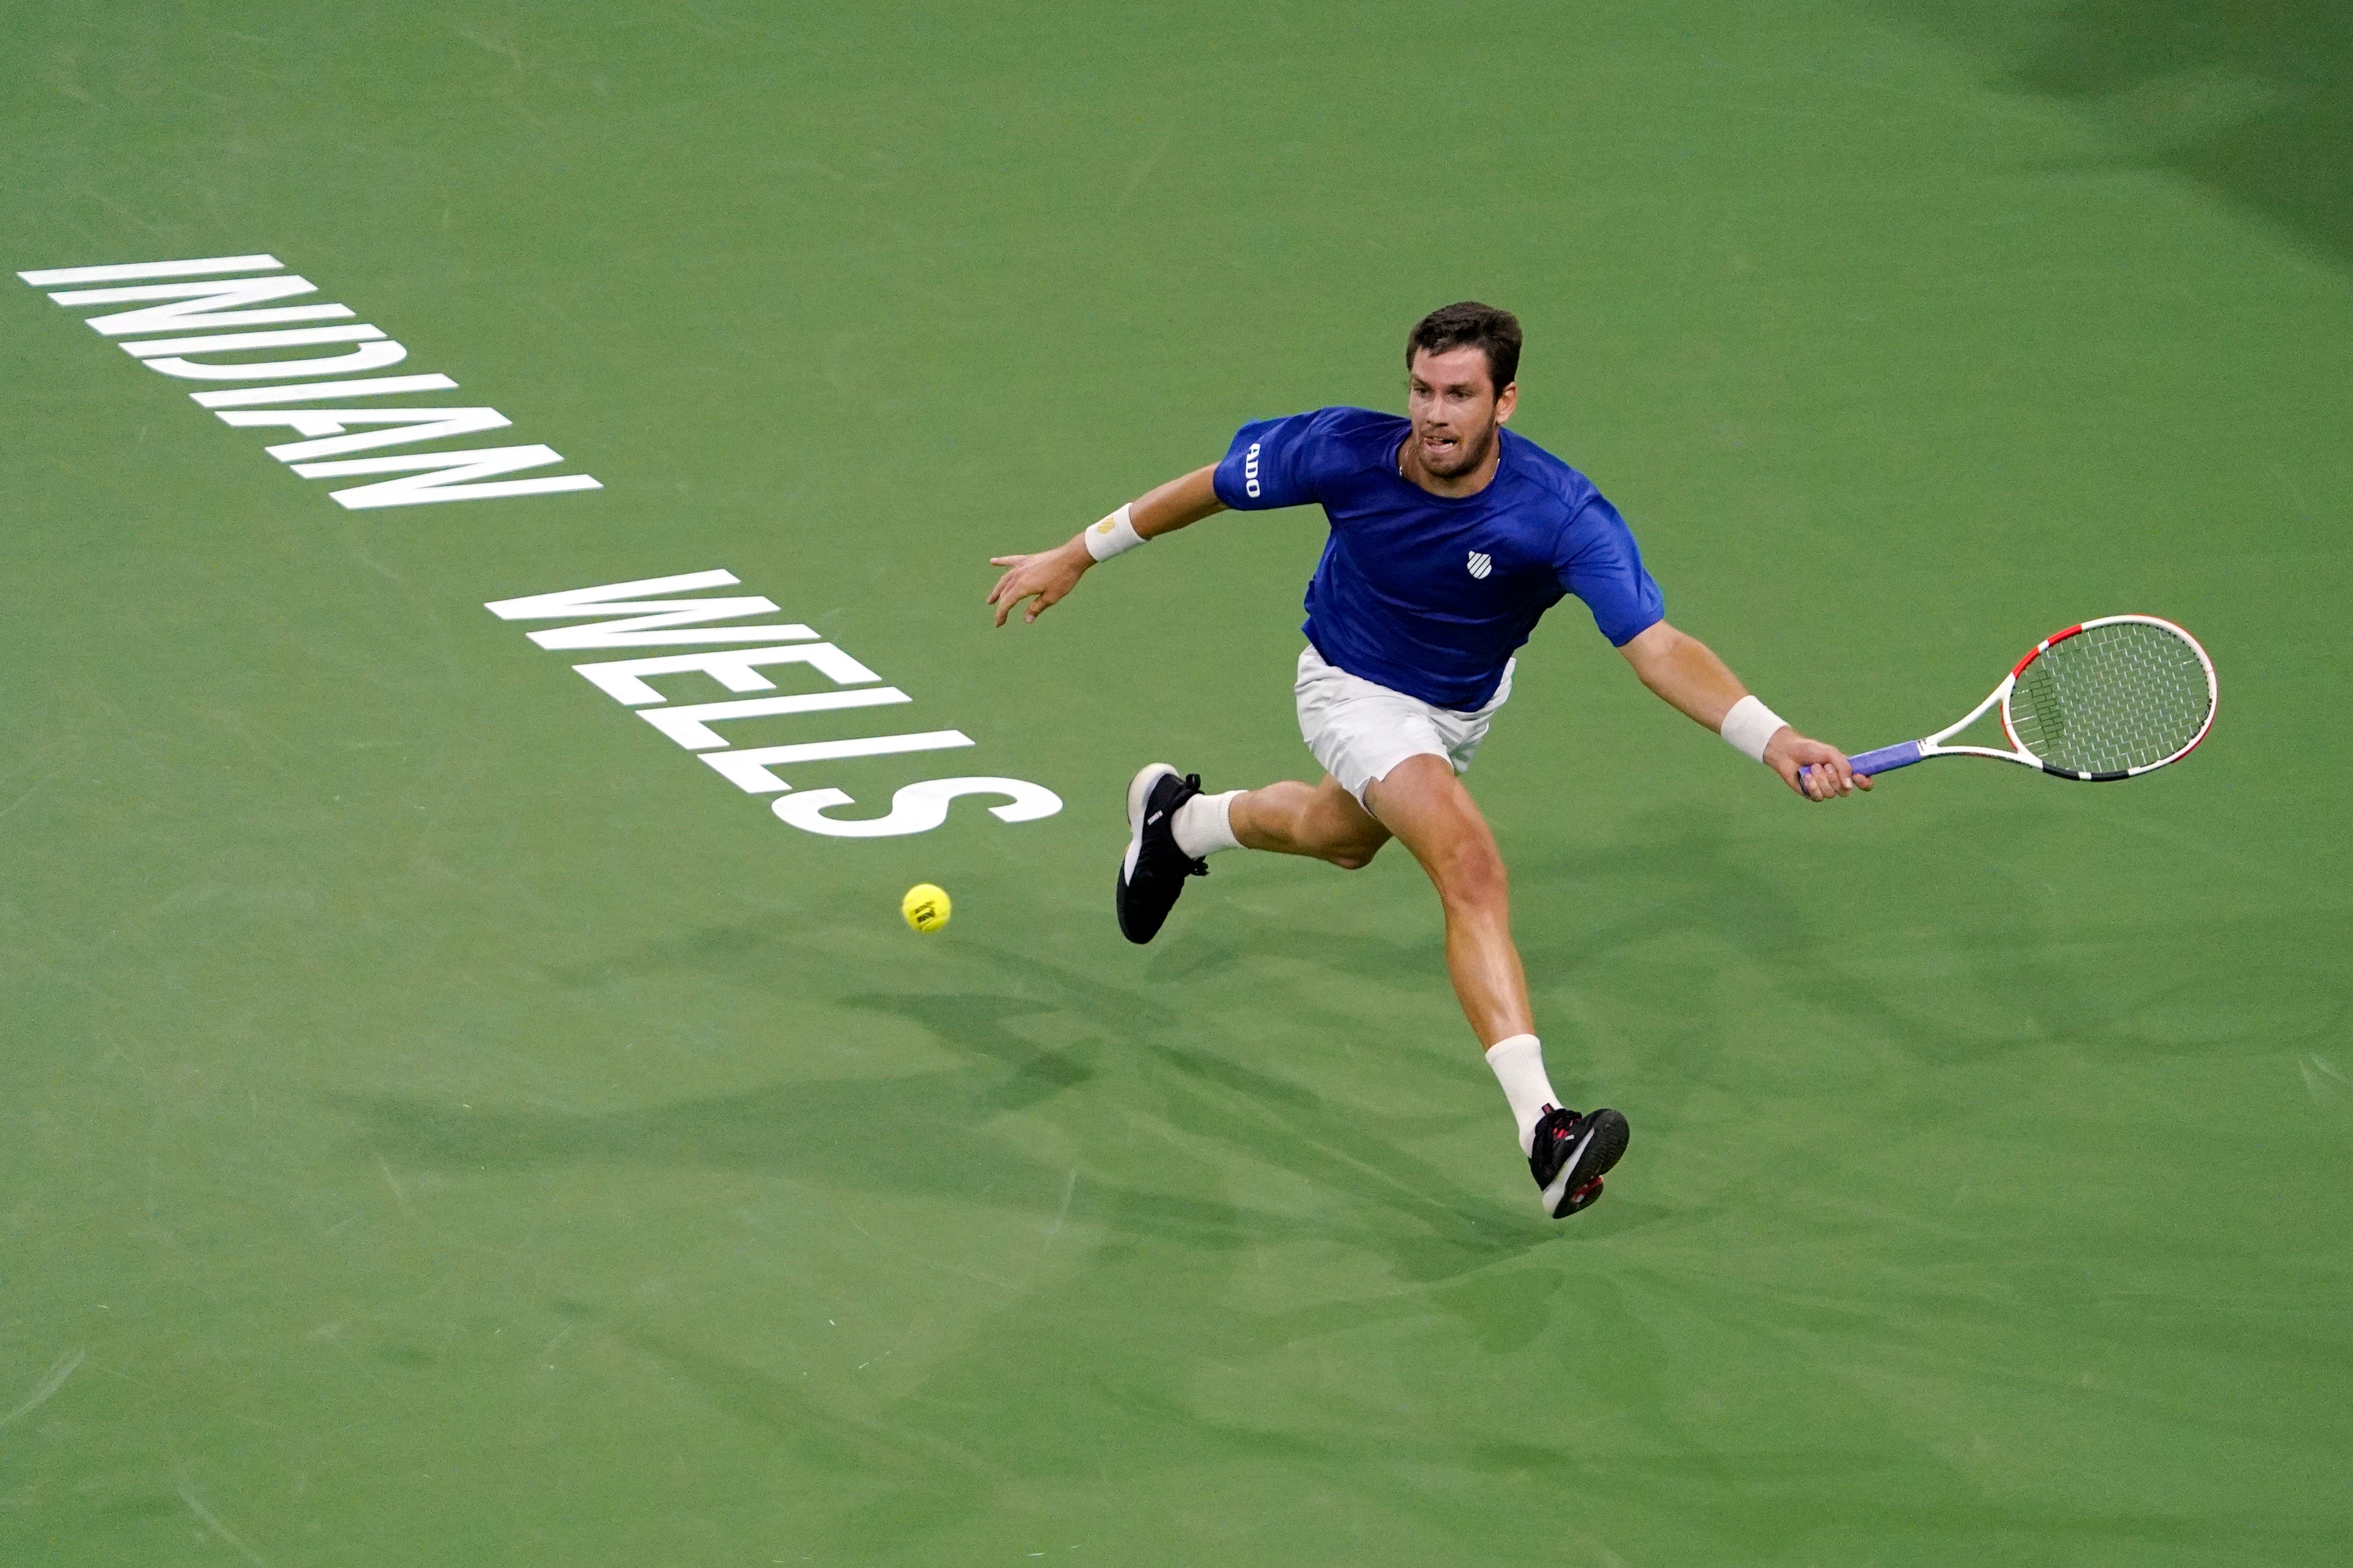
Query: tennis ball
[{"x": 926, "y": 907}]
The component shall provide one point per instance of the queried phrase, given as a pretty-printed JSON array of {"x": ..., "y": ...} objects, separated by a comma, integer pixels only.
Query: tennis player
[{"x": 1450, "y": 538}]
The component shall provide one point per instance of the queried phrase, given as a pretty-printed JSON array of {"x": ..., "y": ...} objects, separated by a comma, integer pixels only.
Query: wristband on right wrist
[
  {"x": 1113, "y": 535},
  {"x": 1749, "y": 726}
]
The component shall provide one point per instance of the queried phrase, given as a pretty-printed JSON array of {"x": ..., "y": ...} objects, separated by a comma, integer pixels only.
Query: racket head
[{"x": 2111, "y": 698}]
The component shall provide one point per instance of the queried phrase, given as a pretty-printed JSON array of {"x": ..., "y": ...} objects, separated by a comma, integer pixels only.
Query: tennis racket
[{"x": 2111, "y": 699}]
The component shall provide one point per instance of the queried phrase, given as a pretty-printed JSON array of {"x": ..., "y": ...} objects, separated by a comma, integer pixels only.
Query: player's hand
[
  {"x": 1787, "y": 753},
  {"x": 1046, "y": 577}
]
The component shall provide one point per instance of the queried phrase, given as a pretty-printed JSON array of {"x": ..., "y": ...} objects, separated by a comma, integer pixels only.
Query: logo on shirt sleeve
[
  {"x": 1479, "y": 566},
  {"x": 1250, "y": 471}
]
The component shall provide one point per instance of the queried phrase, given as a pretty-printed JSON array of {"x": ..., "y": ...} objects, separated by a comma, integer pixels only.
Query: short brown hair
[{"x": 1469, "y": 324}]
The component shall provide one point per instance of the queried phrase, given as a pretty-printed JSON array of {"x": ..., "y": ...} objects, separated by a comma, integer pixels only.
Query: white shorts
[{"x": 1359, "y": 731}]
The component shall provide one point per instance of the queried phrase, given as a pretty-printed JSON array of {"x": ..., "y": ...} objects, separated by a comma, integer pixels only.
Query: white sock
[
  {"x": 1203, "y": 824},
  {"x": 1519, "y": 1067}
]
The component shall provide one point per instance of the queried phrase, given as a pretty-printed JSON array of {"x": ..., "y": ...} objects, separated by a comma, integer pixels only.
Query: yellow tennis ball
[{"x": 926, "y": 908}]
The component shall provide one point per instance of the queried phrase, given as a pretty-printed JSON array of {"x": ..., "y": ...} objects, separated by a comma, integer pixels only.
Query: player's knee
[
  {"x": 1350, "y": 850},
  {"x": 1472, "y": 875},
  {"x": 1342, "y": 841}
]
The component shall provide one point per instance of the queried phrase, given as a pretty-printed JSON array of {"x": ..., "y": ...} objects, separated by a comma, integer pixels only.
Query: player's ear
[{"x": 1505, "y": 401}]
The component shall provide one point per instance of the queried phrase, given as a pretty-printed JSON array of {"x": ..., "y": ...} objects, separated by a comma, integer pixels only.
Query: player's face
[{"x": 1455, "y": 409}]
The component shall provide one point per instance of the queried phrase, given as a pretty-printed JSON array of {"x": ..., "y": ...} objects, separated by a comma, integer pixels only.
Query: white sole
[{"x": 1139, "y": 789}]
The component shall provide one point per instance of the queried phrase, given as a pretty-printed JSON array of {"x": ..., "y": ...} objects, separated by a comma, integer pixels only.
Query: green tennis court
[{"x": 446, "y": 1122}]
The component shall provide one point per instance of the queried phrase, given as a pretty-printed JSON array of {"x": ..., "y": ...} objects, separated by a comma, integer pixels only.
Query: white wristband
[
  {"x": 1748, "y": 726},
  {"x": 1113, "y": 535}
]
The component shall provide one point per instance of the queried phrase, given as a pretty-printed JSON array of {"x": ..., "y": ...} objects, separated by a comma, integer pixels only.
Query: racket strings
[{"x": 2111, "y": 699}]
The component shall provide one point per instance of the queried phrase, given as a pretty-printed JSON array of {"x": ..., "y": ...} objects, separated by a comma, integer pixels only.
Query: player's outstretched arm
[
  {"x": 1051, "y": 575},
  {"x": 1687, "y": 674}
]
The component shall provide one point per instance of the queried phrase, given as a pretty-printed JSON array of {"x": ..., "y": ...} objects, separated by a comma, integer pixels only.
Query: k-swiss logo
[{"x": 1479, "y": 566}]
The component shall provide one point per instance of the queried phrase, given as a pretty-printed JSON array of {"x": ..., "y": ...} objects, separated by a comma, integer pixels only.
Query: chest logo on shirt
[{"x": 1479, "y": 566}]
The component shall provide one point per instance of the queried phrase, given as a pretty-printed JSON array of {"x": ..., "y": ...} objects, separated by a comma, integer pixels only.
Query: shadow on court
[
  {"x": 933, "y": 1133},
  {"x": 2253, "y": 101}
]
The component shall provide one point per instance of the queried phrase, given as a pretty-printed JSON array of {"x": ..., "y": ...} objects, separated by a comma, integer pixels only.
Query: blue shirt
[{"x": 1429, "y": 594}]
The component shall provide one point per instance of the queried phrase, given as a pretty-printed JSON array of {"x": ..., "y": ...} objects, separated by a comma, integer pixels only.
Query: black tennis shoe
[
  {"x": 1155, "y": 869},
  {"x": 1572, "y": 1154}
]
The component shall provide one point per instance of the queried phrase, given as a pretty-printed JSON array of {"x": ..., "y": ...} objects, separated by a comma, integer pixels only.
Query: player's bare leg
[
  {"x": 1425, "y": 805},
  {"x": 1174, "y": 827},
  {"x": 1322, "y": 821},
  {"x": 1422, "y": 803}
]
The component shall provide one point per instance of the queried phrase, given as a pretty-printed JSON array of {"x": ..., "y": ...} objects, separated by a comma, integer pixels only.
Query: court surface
[{"x": 447, "y": 1123}]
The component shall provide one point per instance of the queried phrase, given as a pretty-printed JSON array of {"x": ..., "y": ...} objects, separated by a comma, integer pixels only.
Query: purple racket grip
[{"x": 1901, "y": 754}]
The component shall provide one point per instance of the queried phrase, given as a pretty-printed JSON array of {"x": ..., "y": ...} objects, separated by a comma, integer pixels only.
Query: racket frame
[{"x": 1905, "y": 752}]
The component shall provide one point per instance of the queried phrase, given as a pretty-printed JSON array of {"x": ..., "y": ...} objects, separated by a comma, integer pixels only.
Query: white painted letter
[
  {"x": 427, "y": 424},
  {"x": 615, "y": 599},
  {"x": 690, "y": 726},
  {"x": 198, "y": 266},
  {"x": 916, "y": 807},
  {"x": 622, "y": 680},
  {"x": 748, "y": 770},
  {"x": 312, "y": 392},
  {"x": 456, "y": 482},
  {"x": 202, "y": 305},
  {"x": 367, "y": 356},
  {"x": 222, "y": 342}
]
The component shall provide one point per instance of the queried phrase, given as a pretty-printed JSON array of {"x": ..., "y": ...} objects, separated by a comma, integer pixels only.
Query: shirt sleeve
[
  {"x": 1281, "y": 462},
  {"x": 1598, "y": 561}
]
